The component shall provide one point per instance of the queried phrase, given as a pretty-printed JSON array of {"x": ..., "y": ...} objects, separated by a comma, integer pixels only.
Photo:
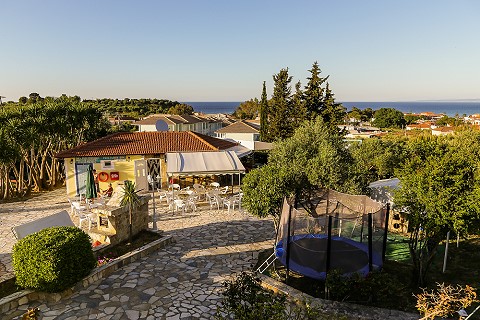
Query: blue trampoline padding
[{"x": 347, "y": 255}]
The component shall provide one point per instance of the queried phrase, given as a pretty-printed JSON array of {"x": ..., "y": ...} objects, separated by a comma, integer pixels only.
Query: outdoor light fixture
[{"x": 71, "y": 161}]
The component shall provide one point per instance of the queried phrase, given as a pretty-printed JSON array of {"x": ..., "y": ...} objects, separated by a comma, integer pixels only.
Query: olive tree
[
  {"x": 314, "y": 157},
  {"x": 439, "y": 192}
]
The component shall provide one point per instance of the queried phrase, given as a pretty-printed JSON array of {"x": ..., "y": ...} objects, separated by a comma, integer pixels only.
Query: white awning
[
  {"x": 240, "y": 150},
  {"x": 203, "y": 163}
]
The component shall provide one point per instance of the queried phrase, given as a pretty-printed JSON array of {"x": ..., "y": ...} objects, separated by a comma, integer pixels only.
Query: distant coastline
[{"x": 450, "y": 107}]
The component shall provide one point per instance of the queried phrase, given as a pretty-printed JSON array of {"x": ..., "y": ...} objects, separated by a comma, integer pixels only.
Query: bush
[
  {"x": 53, "y": 259},
  {"x": 376, "y": 289},
  {"x": 245, "y": 299}
]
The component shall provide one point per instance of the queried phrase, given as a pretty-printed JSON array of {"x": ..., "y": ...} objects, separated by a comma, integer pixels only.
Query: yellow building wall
[{"x": 125, "y": 169}]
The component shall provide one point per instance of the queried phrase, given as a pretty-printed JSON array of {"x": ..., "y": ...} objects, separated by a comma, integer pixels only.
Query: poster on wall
[{"x": 114, "y": 175}]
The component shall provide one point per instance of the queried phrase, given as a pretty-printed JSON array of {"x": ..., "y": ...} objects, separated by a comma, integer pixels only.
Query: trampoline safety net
[{"x": 332, "y": 231}]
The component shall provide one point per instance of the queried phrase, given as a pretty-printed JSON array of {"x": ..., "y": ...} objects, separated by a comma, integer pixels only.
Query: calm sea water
[{"x": 449, "y": 108}]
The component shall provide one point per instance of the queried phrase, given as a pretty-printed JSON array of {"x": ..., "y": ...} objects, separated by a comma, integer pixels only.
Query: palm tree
[{"x": 131, "y": 200}]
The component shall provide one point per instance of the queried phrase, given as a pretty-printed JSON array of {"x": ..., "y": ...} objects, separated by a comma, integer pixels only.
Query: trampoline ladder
[{"x": 267, "y": 263}]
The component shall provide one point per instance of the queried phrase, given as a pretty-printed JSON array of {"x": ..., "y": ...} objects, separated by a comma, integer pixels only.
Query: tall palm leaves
[
  {"x": 131, "y": 200},
  {"x": 31, "y": 135}
]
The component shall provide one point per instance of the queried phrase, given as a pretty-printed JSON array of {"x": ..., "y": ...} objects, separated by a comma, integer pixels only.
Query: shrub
[
  {"x": 447, "y": 300},
  {"x": 374, "y": 289},
  {"x": 53, "y": 259},
  {"x": 245, "y": 299}
]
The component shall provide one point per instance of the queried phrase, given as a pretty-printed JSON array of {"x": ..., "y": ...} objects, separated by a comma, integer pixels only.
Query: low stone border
[
  {"x": 17, "y": 299},
  {"x": 345, "y": 309}
]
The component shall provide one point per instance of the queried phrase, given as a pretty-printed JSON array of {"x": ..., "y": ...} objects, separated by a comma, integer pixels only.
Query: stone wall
[
  {"x": 339, "y": 309},
  {"x": 114, "y": 222}
]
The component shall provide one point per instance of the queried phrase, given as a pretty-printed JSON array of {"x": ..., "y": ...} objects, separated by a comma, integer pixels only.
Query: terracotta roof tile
[{"x": 131, "y": 143}]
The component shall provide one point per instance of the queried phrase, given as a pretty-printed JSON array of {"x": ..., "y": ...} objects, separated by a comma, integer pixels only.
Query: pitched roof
[
  {"x": 131, "y": 143},
  {"x": 239, "y": 127},
  {"x": 425, "y": 125},
  {"x": 444, "y": 129},
  {"x": 172, "y": 119}
]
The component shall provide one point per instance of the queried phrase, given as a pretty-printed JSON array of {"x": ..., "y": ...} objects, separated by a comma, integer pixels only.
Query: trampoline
[
  {"x": 332, "y": 231},
  {"x": 308, "y": 253}
]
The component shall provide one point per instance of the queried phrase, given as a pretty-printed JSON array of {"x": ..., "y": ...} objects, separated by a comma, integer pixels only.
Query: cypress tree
[
  {"x": 299, "y": 112},
  {"x": 264, "y": 115},
  {"x": 314, "y": 92},
  {"x": 280, "y": 124},
  {"x": 333, "y": 113}
]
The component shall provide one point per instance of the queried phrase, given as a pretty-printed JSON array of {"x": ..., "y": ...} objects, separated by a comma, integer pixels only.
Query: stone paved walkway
[{"x": 181, "y": 281}]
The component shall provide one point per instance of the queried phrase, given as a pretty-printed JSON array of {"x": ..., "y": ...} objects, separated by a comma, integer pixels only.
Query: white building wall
[{"x": 239, "y": 136}]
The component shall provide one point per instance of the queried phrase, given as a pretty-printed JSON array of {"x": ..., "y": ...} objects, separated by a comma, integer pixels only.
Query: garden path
[{"x": 181, "y": 281}]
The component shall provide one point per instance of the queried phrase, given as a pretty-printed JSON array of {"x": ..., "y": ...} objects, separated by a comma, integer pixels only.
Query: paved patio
[{"x": 179, "y": 282}]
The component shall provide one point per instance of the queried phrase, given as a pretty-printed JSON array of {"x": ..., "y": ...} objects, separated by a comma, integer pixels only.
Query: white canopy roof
[
  {"x": 203, "y": 163},
  {"x": 381, "y": 190}
]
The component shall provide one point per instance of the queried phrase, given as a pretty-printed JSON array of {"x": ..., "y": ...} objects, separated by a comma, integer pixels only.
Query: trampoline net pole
[
  {"x": 387, "y": 217},
  {"x": 329, "y": 245},
  {"x": 288, "y": 243},
  {"x": 329, "y": 251},
  {"x": 370, "y": 236}
]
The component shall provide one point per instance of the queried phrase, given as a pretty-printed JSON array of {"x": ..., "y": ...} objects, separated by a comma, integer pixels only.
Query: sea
[{"x": 450, "y": 108}]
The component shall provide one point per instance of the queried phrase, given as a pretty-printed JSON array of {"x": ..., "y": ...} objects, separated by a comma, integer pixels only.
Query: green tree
[
  {"x": 314, "y": 157},
  {"x": 367, "y": 114},
  {"x": 314, "y": 92},
  {"x": 356, "y": 114},
  {"x": 439, "y": 192},
  {"x": 411, "y": 118},
  {"x": 264, "y": 115},
  {"x": 299, "y": 111},
  {"x": 181, "y": 109},
  {"x": 332, "y": 113},
  {"x": 280, "y": 124},
  {"x": 388, "y": 118},
  {"x": 248, "y": 109},
  {"x": 376, "y": 159}
]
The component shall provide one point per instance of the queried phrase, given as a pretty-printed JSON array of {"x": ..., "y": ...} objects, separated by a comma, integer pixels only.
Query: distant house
[
  {"x": 431, "y": 115},
  {"x": 359, "y": 132},
  {"x": 133, "y": 156},
  {"x": 442, "y": 131},
  {"x": 473, "y": 119},
  {"x": 247, "y": 133},
  {"x": 121, "y": 119},
  {"x": 165, "y": 122},
  {"x": 240, "y": 130},
  {"x": 421, "y": 126}
]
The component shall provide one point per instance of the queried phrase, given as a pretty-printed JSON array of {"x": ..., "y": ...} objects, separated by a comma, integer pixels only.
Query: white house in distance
[
  {"x": 165, "y": 122},
  {"x": 247, "y": 133}
]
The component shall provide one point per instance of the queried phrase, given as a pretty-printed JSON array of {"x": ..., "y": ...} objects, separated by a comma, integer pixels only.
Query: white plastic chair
[
  {"x": 224, "y": 190},
  {"x": 214, "y": 200},
  {"x": 191, "y": 201},
  {"x": 180, "y": 204},
  {"x": 232, "y": 201},
  {"x": 200, "y": 190},
  {"x": 215, "y": 185},
  {"x": 174, "y": 186},
  {"x": 163, "y": 195},
  {"x": 80, "y": 211}
]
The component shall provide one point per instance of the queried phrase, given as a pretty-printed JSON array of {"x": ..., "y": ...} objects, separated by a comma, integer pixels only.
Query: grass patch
[{"x": 397, "y": 280}]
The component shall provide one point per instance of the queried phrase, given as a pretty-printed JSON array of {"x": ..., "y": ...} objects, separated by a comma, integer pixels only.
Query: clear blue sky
[{"x": 220, "y": 50}]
